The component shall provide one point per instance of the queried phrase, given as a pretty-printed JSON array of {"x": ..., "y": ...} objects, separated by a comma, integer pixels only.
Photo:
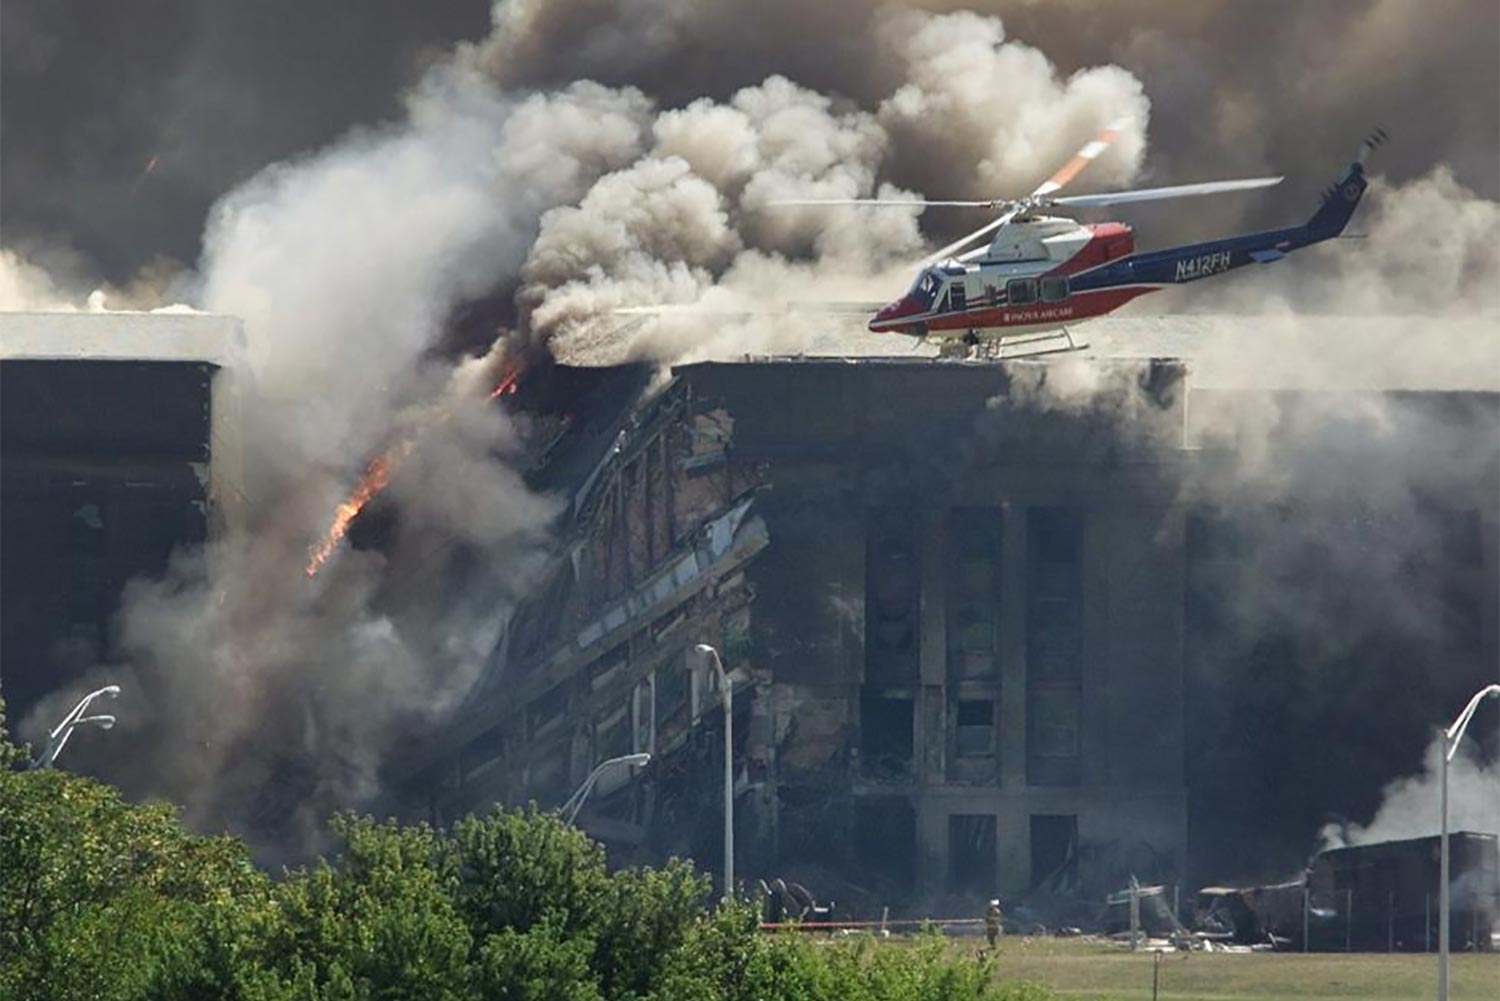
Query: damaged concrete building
[
  {"x": 1381, "y": 897},
  {"x": 959, "y": 624},
  {"x": 920, "y": 694},
  {"x": 984, "y": 630},
  {"x": 118, "y": 443}
]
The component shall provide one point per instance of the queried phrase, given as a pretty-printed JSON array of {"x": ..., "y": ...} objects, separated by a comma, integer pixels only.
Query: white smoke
[
  {"x": 992, "y": 111},
  {"x": 345, "y": 266},
  {"x": 24, "y": 286},
  {"x": 1411, "y": 806},
  {"x": 27, "y": 286},
  {"x": 1424, "y": 248},
  {"x": 996, "y": 110}
]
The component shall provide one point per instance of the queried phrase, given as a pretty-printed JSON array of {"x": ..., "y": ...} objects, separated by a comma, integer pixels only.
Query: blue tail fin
[{"x": 1344, "y": 194}]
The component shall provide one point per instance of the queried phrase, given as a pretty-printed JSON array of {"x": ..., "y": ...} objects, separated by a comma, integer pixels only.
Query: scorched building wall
[{"x": 953, "y": 621}]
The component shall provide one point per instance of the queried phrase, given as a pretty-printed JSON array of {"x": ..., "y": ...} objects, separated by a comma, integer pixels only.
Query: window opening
[{"x": 1054, "y": 288}]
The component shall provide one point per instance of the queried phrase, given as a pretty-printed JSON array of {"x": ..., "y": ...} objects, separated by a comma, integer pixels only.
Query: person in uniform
[{"x": 992, "y": 923}]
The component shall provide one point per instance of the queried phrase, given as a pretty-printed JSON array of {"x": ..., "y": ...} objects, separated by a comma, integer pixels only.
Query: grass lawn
[{"x": 1097, "y": 972}]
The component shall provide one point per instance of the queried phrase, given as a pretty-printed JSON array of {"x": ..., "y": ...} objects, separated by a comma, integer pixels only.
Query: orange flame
[
  {"x": 377, "y": 477},
  {"x": 507, "y": 384}
]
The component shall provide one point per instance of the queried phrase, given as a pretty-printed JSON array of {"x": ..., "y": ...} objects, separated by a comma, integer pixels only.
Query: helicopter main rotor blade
[
  {"x": 879, "y": 201},
  {"x": 1081, "y": 159},
  {"x": 1175, "y": 191},
  {"x": 984, "y": 230},
  {"x": 1086, "y": 155}
]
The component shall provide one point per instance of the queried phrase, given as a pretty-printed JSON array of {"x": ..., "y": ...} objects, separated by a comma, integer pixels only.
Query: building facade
[
  {"x": 954, "y": 625},
  {"x": 118, "y": 443}
]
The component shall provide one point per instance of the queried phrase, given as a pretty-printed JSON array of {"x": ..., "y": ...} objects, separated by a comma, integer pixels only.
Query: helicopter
[{"x": 1040, "y": 273}]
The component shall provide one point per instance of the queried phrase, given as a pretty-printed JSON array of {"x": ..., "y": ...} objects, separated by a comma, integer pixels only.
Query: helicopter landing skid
[{"x": 1007, "y": 348}]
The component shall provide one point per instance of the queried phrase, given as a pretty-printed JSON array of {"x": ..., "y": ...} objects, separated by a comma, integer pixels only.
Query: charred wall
[
  {"x": 970, "y": 616},
  {"x": 1387, "y": 894},
  {"x": 599, "y": 664},
  {"x": 981, "y": 642},
  {"x": 103, "y": 472}
]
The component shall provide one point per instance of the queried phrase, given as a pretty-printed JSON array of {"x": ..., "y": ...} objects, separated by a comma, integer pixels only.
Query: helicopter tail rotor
[{"x": 1372, "y": 142}]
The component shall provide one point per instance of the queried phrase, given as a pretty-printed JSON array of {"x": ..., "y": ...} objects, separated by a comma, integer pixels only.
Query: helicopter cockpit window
[
  {"x": 1021, "y": 291},
  {"x": 925, "y": 287},
  {"x": 1054, "y": 288}
]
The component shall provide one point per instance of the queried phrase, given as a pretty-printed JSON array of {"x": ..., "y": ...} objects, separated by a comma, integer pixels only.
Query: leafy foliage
[
  {"x": 100, "y": 898},
  {"x": 726, "y": 958},
  {"x": 524, "y": 868},
  {"x": 539, "y": 964}
]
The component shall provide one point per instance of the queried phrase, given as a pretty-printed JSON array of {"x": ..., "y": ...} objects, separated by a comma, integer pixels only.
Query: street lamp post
[
  {"x": 1451, "y": 738},
  {"x": 727, "y": 695},
  {"x": 574, "y": 803},
  {"x": 58, "y": 738}
]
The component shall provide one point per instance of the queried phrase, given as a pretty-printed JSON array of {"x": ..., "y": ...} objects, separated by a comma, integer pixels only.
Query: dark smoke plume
[{"x": 125, "y": 122}]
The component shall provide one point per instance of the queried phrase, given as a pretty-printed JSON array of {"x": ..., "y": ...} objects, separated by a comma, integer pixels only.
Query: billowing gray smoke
[
  {"x": 587, "y": 155},
  {"x": 213, "y": 90},
  {"x": 346, "y": 266},
  {"x": 1341, "y": 568}
]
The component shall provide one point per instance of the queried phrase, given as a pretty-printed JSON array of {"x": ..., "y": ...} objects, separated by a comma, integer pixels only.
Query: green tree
[
  {"x": 539, "y": 964},
  {"x": 100, "y": 898},
  {"x": 103, "y": 898},
  {"x": 521, "y": 868},
  {"x": 645, "y": 917},
  {"x": 379, "y": 922},
  {"x": 726, "y": 958}
]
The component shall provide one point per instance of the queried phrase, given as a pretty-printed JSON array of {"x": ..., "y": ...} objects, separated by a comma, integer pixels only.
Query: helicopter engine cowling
[{"x": 1037, "y": 239}]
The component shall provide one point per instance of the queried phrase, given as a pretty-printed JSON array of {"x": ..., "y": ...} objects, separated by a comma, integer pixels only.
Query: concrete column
[
  {"x": 1012, "y": 846},
  {"x": 1012, "y": 713},
  {"x": 1097, "y": 734},
  {"x": 1173, "y": 584},
  {"x": 931, "y": 733},
  {"x": 761, "y": 750},
  {"x": 932, "y": 549},
  {"x": 1140, "y": 557},
  {"x": 932, "y": 846}
]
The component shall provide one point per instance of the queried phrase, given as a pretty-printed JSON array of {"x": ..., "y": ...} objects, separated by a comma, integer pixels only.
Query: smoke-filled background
[{"x": 384, "y": 192}]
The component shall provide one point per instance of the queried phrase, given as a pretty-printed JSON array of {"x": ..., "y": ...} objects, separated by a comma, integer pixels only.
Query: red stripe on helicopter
[
  {"x": 1111, "y": 241},
  {"x": 1080, "y": 306}
]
